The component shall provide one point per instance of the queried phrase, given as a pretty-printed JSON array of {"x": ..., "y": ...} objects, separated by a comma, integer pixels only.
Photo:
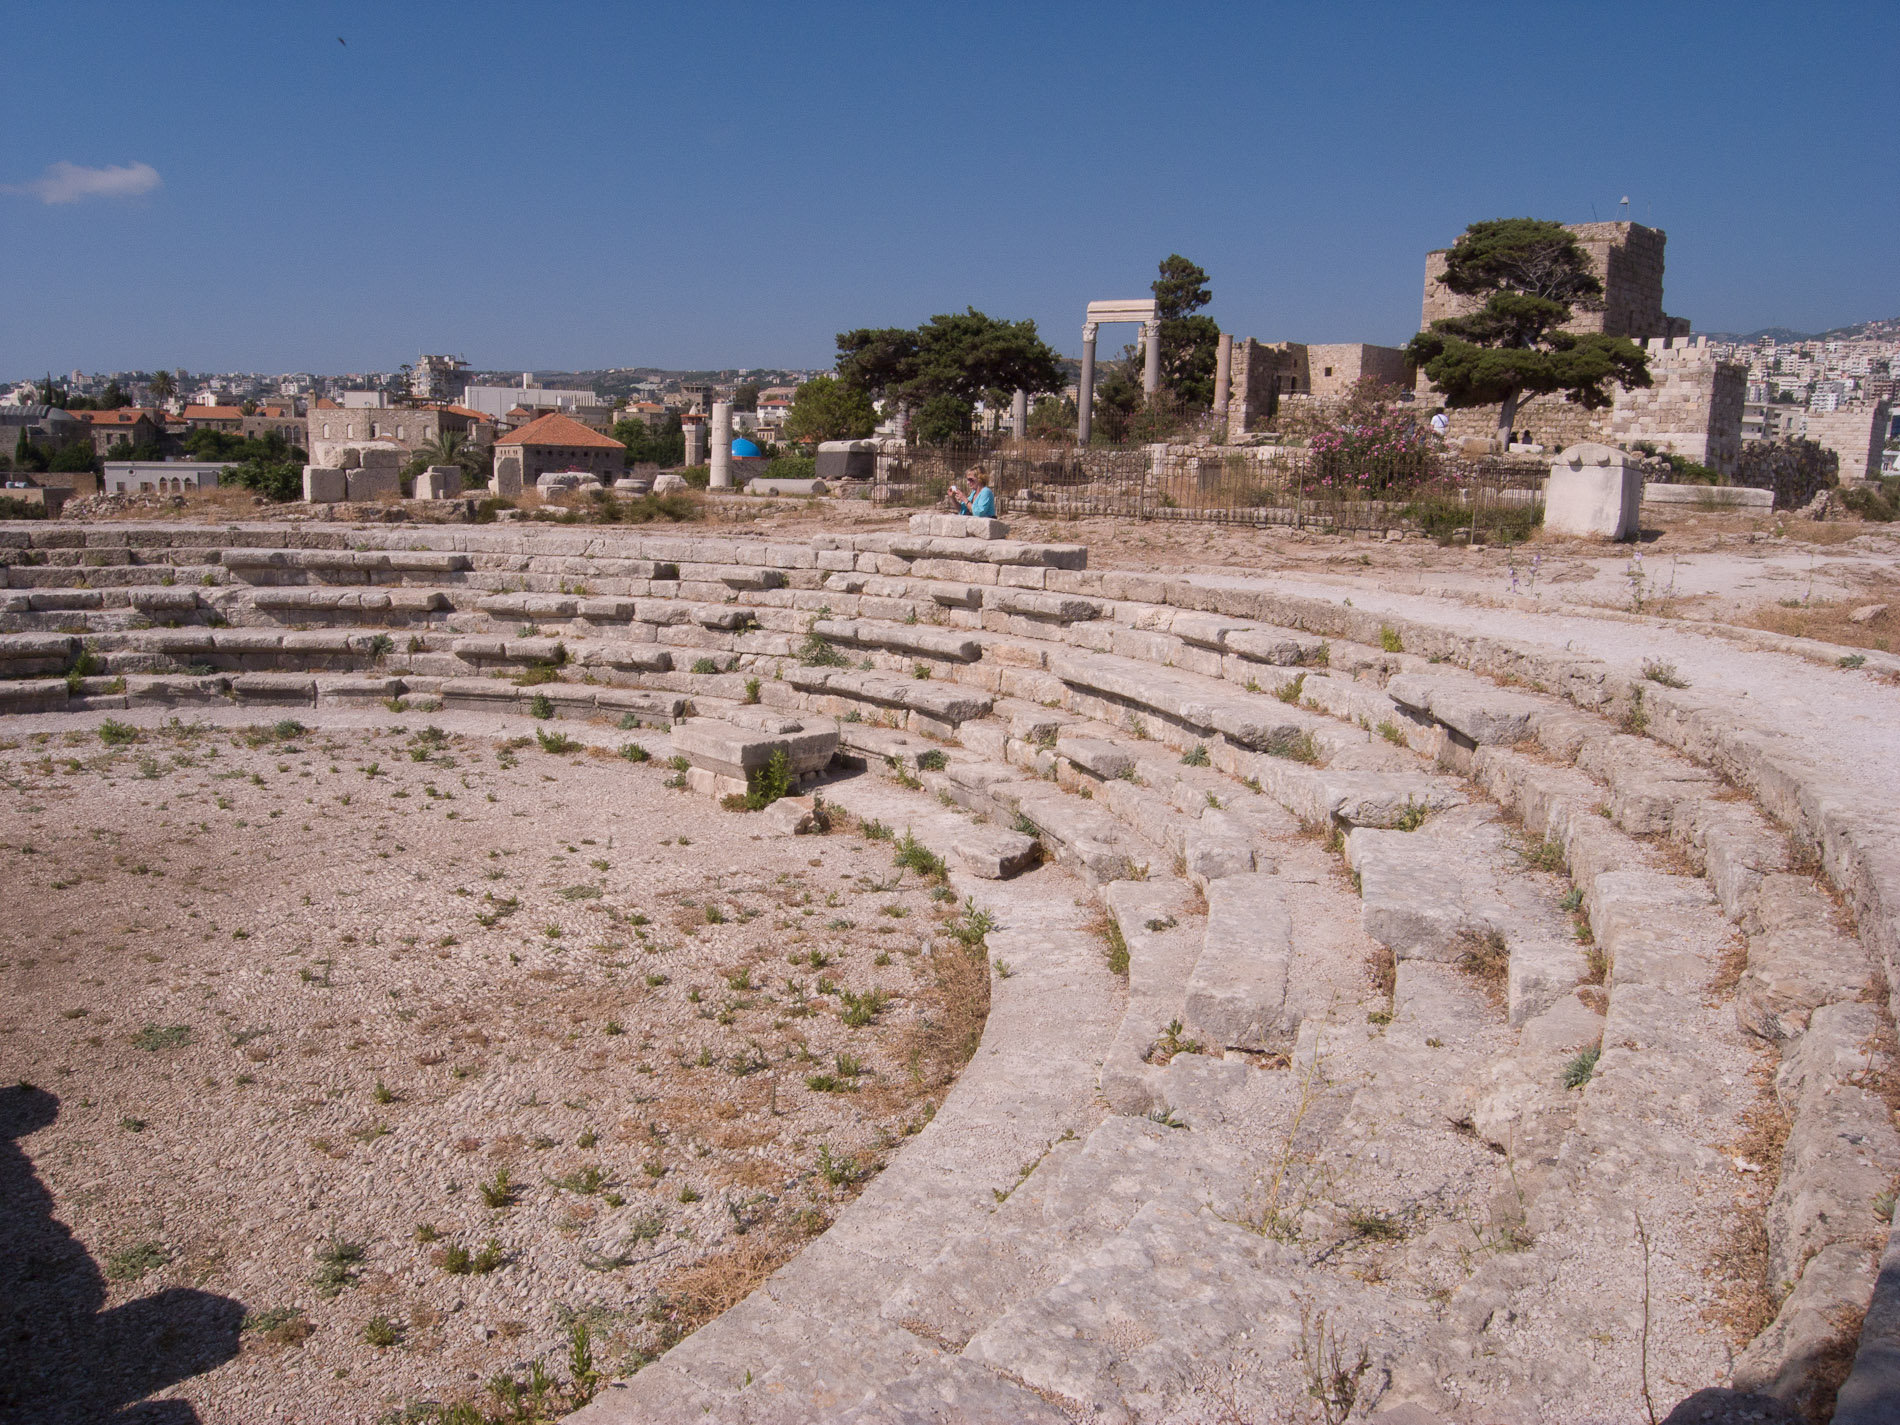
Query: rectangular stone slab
[
  {"x": 1236, "y": 995},
  {"x": 728, "y": 751}
]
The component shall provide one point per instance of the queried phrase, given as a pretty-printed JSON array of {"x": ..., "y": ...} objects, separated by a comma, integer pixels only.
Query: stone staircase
[{"x": 1360, "y": 912}]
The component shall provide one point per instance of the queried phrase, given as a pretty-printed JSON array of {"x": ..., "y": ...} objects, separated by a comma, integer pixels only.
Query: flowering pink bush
[{"x": 1372, "y": 446}]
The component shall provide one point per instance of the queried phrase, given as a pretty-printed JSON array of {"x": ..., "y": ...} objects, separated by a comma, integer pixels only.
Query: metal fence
[{"x": 1253, "y": 485}]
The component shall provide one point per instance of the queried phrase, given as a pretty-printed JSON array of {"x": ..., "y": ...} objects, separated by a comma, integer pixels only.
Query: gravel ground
[{"x": 384, "y": 1035}]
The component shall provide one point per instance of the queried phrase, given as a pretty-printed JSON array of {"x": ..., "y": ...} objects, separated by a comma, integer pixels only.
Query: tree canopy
[
  {"x": 962, "y": 357},
  {"x": 1532, "y": 276},
  {"x": 829, "y": 408},
  {"x": 1189, "y": 343},
  {"x": 663, "y": 445},
  {"x": 268, "y": 464}
]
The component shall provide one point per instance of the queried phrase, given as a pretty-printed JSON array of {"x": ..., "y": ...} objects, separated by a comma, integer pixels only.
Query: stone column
[
  {"x": 1223, "y": 374},
  {"x": 721, "y": 478},
  {"x": 1019, "y": 415},
  {"x": 1151, "y": 367},
  {"x": 1085, "y": 394}
]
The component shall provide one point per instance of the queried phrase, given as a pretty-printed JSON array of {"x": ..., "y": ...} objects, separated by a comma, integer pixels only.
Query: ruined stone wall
[
  {"x": 1265, "y": 374},
  {"x": 1258, "y": 375},
  {"x": 1856, "y": 433},
  {"x": 1549, "y": 421},
  {"x": 1692, "y": 407},
  {"x": 1796, "y": 470},
  {"x": 1335, "y": 368}
]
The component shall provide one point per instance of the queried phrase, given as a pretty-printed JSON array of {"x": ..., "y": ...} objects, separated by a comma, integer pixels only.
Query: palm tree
[
  {"x": 453, "y": 447},
  {"x": 163, "y": 388}
]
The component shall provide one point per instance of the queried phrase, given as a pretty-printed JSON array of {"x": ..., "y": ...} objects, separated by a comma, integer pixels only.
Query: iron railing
[{"x": 1429, "y": 491}]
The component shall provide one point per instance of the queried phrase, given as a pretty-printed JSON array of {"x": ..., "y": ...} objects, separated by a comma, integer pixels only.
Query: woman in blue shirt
[{"x": 981, "y": 502}]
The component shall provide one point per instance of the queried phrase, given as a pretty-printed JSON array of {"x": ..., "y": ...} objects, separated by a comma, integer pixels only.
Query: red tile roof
[
  {"x": 124, "y": 416},
  {"x": 473, "y": 415},
  {"x": 214, "y": 413},
  {"x": 557, "y": 429}
]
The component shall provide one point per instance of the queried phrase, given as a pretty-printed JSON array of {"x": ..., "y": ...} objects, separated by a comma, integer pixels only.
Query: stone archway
[{"x": 1143, "y": 311}]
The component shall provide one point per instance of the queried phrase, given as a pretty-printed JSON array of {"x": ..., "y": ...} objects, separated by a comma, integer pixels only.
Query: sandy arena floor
[{"x": 366, "y": 1064}]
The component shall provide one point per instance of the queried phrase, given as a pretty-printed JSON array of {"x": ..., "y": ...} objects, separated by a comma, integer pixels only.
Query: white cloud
[{"x": 65, "y": 182}]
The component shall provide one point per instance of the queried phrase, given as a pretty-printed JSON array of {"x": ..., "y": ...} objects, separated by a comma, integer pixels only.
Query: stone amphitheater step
[
  {"x": 1026, "y": 624},
  {"x": 1800, "y": 972},
  {"x": 1443, "y": 891},
  {"x": 928, "y": 706},
  {"x": 812, "y": 1343}
]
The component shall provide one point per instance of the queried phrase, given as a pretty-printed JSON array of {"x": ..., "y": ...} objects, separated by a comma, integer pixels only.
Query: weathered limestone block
[
  {"x": 1842, "y": 1153},
  {"x": 901, "y": 638},
  {"x": 743, "y": 576},
  {"x": 165, "y": 690},
  {"x": 439, "y": 482},
  {"x": 1050, "y": 608},
  {"x": 534, "y": 606},
  {"x": 481, "y": 695},
  {"x": 374, "y": 483},
  {"x": 54, "y": 649},
  {"x": 1217, "y": 846},
  {"x": 325, "y": 484},
  {"x": 994, "y": 852},
  {"x": 658, "y": 708},
  {"x": 1593, "y": 491},
  {"x": 1541, "y": 973},
  {"x": 274, "y": 688},
  {"x": 670, "y": 484},
  {"x": 1096, "y": 756},
  {"x": 1279, "y": 649},
  {"x": 37, "y": 695},
  {"x": 1411, "y": 900},
  {"x": 1872, "y": 1386},
  {"x": 727, "y": 750},
  {"x": 958, "y": 527},
  {"x": 1789, "y": 1359},
  {"x": 1236, "y": 996},
  {"x": 949, "y": 703},
  {"x": 1481, "y": 715},
  {"x": 360, "y": 690},
  {"x": 1798, "y": 962},
  {"x": 792, "y": 816}
]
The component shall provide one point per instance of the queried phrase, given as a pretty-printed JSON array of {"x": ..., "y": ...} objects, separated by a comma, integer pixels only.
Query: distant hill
[{"x": 1888, "y": 328}]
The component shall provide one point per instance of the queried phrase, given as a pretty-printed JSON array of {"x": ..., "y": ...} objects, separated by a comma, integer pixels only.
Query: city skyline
[{"x": 249, "y": 193}]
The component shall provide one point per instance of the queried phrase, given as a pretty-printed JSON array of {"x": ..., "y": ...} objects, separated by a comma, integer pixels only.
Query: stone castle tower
[{"x": 1694, "y": 407}]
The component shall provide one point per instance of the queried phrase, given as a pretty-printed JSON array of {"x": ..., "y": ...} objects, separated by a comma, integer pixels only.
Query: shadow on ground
[{"x": 62, "y": 1358}]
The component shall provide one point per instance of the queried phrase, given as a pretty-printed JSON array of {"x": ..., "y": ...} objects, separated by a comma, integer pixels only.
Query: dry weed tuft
[
  {"x": 1483, "y": 955},
  {"x": 1730, "y": 966},
  {"x": 694, "y": 1295},
  {"x": 1747, "y": 1301}
]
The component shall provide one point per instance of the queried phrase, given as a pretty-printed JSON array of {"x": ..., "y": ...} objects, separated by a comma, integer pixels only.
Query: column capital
[{"x": 1088, "y": 331}]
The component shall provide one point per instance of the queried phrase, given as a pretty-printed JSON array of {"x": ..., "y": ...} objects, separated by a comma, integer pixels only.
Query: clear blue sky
[{"x": 574, "y": 185}]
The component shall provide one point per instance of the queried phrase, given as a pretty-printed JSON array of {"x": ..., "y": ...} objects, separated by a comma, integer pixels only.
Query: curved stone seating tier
[{"x": 1246, "y": 781}]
